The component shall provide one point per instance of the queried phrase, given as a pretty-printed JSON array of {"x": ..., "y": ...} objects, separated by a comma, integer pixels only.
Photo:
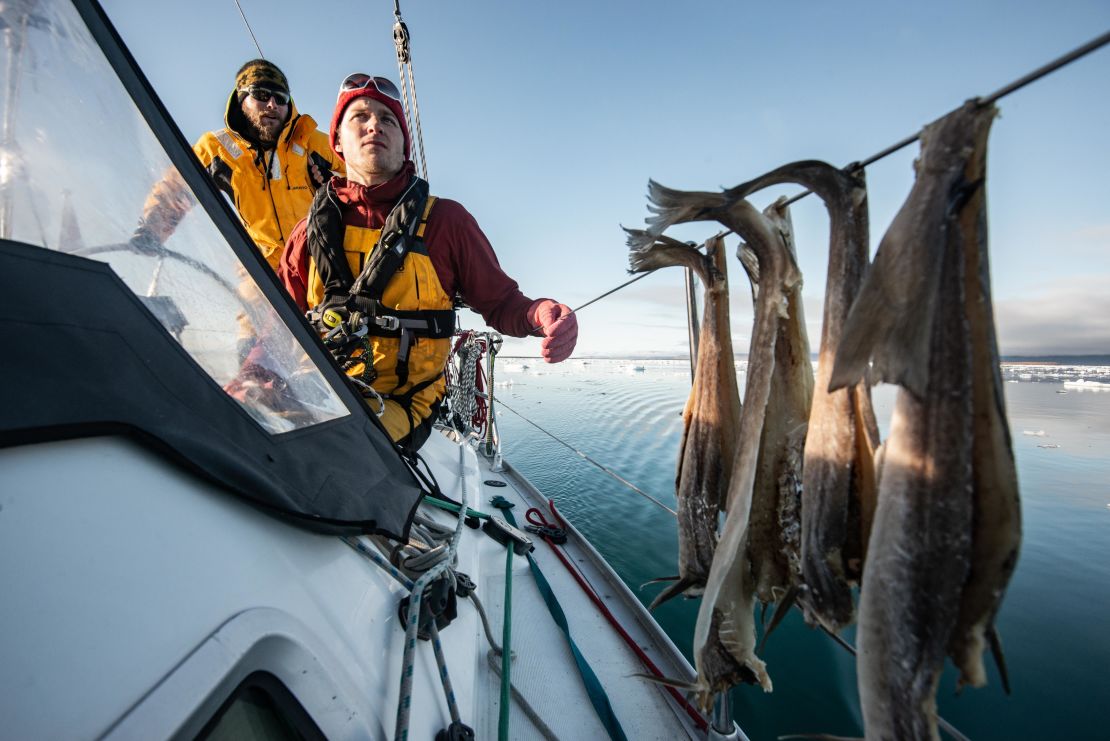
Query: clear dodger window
[{"x": 77, "y": 164}]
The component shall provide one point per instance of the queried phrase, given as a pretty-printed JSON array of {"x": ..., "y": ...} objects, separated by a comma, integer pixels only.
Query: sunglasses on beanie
[{"x": 362, "y": 81}]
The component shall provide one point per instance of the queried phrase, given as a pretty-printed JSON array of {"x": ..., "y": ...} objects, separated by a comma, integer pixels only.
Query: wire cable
[
  {"x": 249, "y": 30},
  {"x": 588, "y": 459},
  {"x": 1037, "y": 74}
]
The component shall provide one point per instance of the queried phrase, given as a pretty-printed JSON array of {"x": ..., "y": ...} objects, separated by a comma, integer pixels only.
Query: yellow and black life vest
[{"x": 386, "y": 277}]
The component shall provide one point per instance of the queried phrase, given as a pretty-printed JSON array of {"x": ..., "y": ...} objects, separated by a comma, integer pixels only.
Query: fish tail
[
  {"x": 647, "y": 252},
  {"x": 999, "y": 657},
  {"x": 673, "y": 590},
  {"x": 783, "y": 607},
  {"x": 671, "y": 206}
]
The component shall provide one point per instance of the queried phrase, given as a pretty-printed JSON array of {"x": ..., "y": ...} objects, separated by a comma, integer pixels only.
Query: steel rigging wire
[
  {"x": 249, "y": 30},
  {"x": 1002, "y": 92}
]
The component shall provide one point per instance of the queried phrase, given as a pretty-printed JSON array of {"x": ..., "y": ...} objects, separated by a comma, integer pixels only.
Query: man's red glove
[{"x": 559, "y": 328}]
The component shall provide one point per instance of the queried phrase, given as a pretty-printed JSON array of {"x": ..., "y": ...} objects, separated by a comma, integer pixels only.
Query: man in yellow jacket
[{"x": 269, "y": 159}]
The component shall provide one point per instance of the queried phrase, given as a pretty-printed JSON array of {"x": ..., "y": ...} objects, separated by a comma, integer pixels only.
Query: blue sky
[{"x": 547, "y": 120}]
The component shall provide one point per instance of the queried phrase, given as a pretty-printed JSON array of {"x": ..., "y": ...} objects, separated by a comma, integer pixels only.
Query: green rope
[
  {"x": 454, "y": 507},
  {"x": 506, "y": 642},
  {"x": 594, "y": 690}
]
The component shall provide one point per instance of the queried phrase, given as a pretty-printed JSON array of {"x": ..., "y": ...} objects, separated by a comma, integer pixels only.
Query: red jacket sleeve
[
  {"x": 293, "y": 270},
  {"x": 466, "y": 265}
]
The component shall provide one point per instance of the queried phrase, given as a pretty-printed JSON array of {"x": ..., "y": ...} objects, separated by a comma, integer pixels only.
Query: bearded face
[{"x": 265, "y": 118}]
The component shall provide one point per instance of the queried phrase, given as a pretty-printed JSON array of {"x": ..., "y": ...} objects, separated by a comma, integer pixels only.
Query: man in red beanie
[{"x": 377, "y": 244}]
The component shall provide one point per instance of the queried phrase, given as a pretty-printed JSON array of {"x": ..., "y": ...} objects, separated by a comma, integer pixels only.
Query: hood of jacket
[{"x": 236, "y": 122}]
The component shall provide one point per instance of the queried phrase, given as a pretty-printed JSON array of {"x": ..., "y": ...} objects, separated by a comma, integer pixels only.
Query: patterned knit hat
[{"x": 261, "y": 73}]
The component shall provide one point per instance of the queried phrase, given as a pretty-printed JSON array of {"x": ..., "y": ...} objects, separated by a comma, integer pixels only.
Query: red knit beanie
[{"x": 369, "y": 91}]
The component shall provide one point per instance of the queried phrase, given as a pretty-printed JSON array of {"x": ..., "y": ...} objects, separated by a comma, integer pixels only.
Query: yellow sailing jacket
[
  {"x": 269, "y": 206},
  {"x": 414, "y": 287}
]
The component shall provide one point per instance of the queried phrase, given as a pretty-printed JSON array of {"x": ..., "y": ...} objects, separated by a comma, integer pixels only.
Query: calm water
[{"x": 1055, "y": 621}]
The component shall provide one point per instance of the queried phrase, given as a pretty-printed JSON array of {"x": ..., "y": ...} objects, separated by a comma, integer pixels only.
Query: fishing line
[
  {"x": 251, "y": 32},
  {"x": 1002, "y": 92},
  {"x": 588, "y": 459}
]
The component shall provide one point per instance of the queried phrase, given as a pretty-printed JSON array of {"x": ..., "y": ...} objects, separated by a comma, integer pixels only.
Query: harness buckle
[{"x": 388, "y": 323}]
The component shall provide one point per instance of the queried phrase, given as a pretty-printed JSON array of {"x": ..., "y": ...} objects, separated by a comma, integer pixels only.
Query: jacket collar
[{"x": 375, "y": 198}]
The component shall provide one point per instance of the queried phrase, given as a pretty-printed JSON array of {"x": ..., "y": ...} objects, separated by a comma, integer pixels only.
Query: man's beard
[{"x": 267, "y": 137}]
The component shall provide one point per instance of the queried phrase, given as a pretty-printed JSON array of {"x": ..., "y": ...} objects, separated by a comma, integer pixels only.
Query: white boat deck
[{"x": 137, "y": 597}]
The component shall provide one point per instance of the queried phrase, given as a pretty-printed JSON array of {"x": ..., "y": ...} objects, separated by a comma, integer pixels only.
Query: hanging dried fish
[
  {"x": 712, "y": 415},
  {"x": 839, "y": 488},
  {"x": 936, "y": 567}
]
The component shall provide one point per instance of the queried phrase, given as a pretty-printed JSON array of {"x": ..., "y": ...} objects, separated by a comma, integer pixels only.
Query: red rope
[{"x": 647, "y": 662}]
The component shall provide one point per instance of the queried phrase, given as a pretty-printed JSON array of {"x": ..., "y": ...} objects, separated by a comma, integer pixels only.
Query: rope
[
  {"x": 543, "y": 728},
  {"x": 592, "y": 594},
  {"x": 594, "y": 688},
  {"x": 378, "y": 560},
  {"x": 451, "y": 507},
  {"x": 249, "y": 30},
  {"x": 404, "y": 704},
  {"x": 506, "y": 647},
  {"x": 588, "y": 459}
]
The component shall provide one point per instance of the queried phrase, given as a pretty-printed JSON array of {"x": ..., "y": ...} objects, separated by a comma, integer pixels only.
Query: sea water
[{"x": 1054, "y": 622}]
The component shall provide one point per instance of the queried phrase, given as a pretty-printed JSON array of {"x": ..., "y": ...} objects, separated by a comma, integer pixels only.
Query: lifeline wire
[
  {"x": 588, "y": 459},
  {"x": 1002, "y": 92},
  {"x": 248, "y": 25}
]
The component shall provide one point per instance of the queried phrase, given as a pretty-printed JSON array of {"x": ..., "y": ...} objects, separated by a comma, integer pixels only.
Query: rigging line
[
  {"x": 641, "y": 276},
  {"x": 249, "y": 30},
  {"x": 588, "y": 459},
  {"x": 1002, "y": 92}
]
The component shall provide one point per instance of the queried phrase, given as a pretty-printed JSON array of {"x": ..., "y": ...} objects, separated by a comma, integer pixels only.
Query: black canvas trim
[{"x": 86, "y": 357}]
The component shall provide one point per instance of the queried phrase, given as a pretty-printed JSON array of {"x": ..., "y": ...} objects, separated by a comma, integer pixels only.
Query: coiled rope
[{"x": 404, "y": 705}]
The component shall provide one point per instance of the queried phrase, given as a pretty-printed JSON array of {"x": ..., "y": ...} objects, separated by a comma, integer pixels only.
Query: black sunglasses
[{"x": 263, "y": 94}]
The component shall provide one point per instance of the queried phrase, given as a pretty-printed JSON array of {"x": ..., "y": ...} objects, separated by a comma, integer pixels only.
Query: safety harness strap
[
  {"x": 397, "y": 238},
  {"x": 325, "y": 246}
]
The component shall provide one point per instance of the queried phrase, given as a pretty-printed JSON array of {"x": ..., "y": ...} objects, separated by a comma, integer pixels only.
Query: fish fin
[
  {"x": 748, "y": 259},
  {"x": 999, "y": 657},
  {"x": 679, "y": 206},
  {"x": 781, "y": 609},
  {"x": 673, "y": 590},
  {"x": 659, "y": 579}
]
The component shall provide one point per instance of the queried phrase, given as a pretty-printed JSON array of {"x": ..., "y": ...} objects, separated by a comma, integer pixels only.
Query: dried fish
[
  {"x": 775, "y": 528},
  {"x": 838, "y": 492},
  {"x": 996, "y": 533},
  {"x": 917, "y": 319},
  {"x": 724, "y": 637},
  {"x": 711, "y": 418}
]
